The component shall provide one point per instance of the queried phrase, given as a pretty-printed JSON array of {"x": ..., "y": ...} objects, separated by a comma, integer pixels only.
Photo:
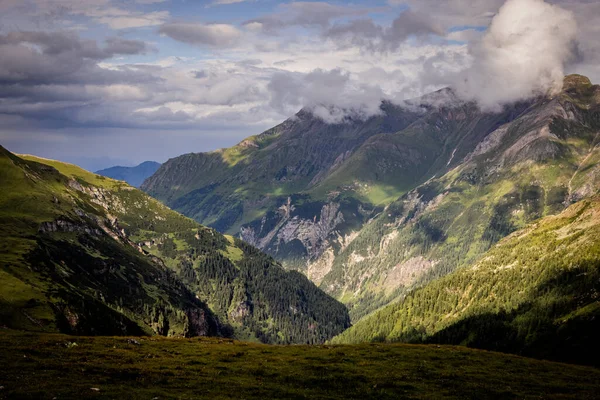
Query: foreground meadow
[{"x": 49, "y": 366}]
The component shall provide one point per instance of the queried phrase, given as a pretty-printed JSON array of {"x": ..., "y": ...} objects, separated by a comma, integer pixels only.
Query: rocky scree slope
[{"x": 85, "y": 254}]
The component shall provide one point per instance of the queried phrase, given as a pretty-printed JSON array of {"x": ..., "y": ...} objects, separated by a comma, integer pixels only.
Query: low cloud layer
[{"x": 330, "y": 95}]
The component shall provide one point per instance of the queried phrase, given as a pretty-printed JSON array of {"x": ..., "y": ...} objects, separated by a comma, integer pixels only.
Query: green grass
[
  {"x": 50, "y": 366},
  {"x": 75, "y": 172},
  {"x": 235, "y": 254}
]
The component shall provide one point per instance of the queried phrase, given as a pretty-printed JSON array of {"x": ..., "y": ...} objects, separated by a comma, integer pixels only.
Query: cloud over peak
[{"x": 523, "y": 54}]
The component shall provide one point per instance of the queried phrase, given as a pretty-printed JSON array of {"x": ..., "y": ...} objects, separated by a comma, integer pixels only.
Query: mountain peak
[{"x": 576, "y": 81}]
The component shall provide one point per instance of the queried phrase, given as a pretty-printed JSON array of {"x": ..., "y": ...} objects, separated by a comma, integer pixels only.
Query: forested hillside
[
  {"x": 536, "y": 293},
  {"x": 86, "y": 254}
]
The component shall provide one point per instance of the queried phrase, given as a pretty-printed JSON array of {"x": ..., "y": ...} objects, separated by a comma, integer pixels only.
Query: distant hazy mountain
[{"x": 135, "y": 176}]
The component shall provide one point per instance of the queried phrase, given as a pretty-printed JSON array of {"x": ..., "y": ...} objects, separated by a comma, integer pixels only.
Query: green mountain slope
[
  {"x": 85, "y": 254},
  {"x": 536, "y": 293},
  {"x": 135, "y": 176},
  {"x": 389, "y": 206},
  {"x": 533, "y": 166},
  {"x": 248, "y": 184}
]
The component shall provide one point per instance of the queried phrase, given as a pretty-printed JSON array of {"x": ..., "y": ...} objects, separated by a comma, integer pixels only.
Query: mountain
[
  {"x": 85, "y": 254},
  {"x": 370, "y": 210},
  {"x": 535, "y": 293},
  {"x": 135, "y": 176}
]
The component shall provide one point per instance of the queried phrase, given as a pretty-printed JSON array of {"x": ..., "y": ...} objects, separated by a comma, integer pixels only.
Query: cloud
[
  {"x": 40, "y": 57},
  {"x": 450, "y": 13},
  {"x": 118, "y": 45},
  {"x": 365, "y": 33},
  {"x": 523, "y": 54},
  {"x": 217, "y": 35},
  {"x": 222, "y": 2},
  {"x": 116, "y": 14},
  {"x": 305, "y": 14},
  {"x": 330, "y": 95},
  {"x": 119, "y": 19}
]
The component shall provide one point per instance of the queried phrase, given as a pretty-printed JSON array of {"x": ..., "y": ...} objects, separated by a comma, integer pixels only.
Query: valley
[
  {"x": 395, "y": 199},
  {"x": 85, "y": 254}
]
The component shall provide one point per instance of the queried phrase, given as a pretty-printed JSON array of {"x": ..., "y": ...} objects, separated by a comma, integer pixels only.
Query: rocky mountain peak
[{"x": 575, "y": 81}]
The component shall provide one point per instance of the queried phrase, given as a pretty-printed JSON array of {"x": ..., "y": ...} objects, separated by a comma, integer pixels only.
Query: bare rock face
[
  {"x": 199, "y": 323},
  {"x": 312, "y": 233},
  {"x": 61, "y": 225},
  {"x": 309, "y": 236},
  {"x": 239, "y": 312},
  {"x": 407, "y": 273}
]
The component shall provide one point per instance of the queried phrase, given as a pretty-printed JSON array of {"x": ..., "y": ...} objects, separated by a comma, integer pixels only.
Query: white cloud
[{"x": 523, "y": 54}]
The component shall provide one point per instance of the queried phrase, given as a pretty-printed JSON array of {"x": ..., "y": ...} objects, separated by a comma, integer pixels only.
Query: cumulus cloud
[
  {"x": 523, "y": 54},
  {"x": 217, "y": 35}
]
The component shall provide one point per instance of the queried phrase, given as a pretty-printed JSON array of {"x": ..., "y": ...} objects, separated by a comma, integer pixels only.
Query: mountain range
[
  {"x": 135, "y": 176},
  {"x": 431, "y": 222},
  {"x": 372, "y": 210},
  {"x": 86, "y": 254}
]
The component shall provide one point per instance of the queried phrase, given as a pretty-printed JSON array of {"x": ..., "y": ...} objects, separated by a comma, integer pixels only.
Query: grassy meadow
[{"x": 54, "y": 366}]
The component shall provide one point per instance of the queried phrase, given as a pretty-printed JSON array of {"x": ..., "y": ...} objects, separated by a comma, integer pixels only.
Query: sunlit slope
[
  {"x": 535, "y": 293},
  {"x": 534, "y": 166}
]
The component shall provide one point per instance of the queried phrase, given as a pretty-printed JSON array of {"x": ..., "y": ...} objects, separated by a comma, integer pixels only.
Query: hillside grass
[
  {"x": 555, "y": 265},
  {"x": 76, "y": 172},
  {"x": 50, "y": 366}
]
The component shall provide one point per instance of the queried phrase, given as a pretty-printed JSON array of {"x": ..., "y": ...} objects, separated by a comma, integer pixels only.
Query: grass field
[{"x": 48, "y": 366}]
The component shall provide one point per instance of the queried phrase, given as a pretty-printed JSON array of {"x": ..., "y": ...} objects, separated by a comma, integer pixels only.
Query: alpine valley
[
  {"x": 88, "y": 255},
  {"x": 433, "y": 221}
]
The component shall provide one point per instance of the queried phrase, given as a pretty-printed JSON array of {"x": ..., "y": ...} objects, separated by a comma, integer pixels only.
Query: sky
[{"x": 117, "y": 82}]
